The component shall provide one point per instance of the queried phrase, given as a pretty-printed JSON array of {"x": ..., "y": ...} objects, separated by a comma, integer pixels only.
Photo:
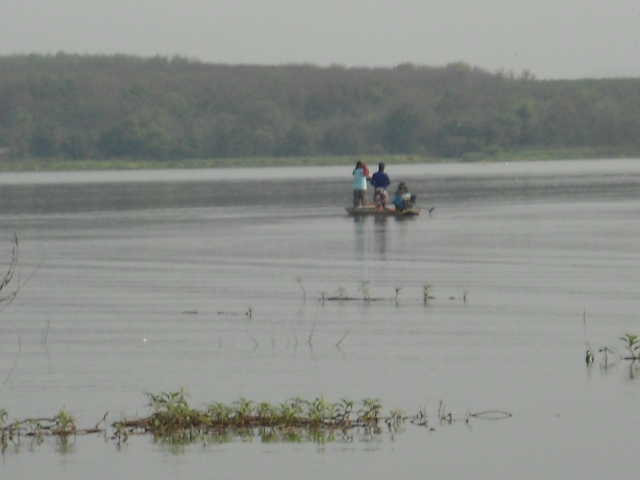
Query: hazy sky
[{"x": 551, "y": 38}]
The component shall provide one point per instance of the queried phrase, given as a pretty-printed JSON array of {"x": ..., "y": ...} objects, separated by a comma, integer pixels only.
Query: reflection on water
[
  {"x": 372, "y": 235},
  {"x": 360, "y": 247},
  {"x": 534, "y": 244},
  {"x": 370, "y": 229},
  {"x": 380, "y": 236}
]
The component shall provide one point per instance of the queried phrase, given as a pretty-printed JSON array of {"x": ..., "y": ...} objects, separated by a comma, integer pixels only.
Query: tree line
[{"x": 82, "y": 107}]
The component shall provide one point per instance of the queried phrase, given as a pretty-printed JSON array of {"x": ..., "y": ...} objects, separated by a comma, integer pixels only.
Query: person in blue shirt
[
  {"x": 403, "y": 198},
  {"x": 380, "y": 181}
]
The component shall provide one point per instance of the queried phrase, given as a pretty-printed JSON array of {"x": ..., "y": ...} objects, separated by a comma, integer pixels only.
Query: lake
[{"x": 212, "y": 280}]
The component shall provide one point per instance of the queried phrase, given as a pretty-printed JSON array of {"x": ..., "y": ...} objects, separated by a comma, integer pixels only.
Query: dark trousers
[{"x": 359, "y": 198}]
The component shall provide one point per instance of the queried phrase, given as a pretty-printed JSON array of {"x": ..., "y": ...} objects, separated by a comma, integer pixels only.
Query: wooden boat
[{"x": 390, "y": 211}]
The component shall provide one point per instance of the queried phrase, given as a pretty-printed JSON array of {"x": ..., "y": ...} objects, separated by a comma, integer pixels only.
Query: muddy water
[{"x": 147, "y": 280}]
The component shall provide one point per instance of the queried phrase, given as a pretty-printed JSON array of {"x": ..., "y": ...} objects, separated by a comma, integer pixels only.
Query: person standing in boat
[
  {"x": 360, "y": 177},
  {"x": 403, "y": 199},
  {"x": 380, "y": 181}
]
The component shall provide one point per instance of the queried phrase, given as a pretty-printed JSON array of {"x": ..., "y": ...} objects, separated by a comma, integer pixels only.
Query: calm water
[{"x": 147, "y": 278}]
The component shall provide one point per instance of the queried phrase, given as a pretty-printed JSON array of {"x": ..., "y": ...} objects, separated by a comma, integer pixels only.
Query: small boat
[{"x": 390, "y": 211}]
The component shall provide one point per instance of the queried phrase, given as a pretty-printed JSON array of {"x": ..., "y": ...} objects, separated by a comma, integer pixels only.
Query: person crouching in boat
[
  {"x": 380, "y": 181},
  {"x": 403, "y": 199},
  {"x": 360, "y": 176}
]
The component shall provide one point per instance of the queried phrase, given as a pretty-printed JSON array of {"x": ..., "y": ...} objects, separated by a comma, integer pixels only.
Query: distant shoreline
[{"x": 44, "y": 165}]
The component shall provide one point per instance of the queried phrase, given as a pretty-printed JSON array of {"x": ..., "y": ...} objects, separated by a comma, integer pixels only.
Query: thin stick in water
[
  {"x": 46, "y": 333},
  {"x": 254, "y": 341},
  {"x": 313, "y": 326},
  {"x": 343, "y": 337},
  {"x": 15, "y": 362}
]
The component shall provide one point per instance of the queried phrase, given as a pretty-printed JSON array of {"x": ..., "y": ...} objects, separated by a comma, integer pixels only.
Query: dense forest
[{"x": 79, "y": 107}]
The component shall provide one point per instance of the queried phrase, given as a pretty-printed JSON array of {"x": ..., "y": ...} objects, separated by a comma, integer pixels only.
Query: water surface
[{"x": 148, "y": 277}]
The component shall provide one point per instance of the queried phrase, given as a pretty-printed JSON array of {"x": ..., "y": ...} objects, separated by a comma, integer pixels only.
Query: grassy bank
[{"x": 40, "y": 164}]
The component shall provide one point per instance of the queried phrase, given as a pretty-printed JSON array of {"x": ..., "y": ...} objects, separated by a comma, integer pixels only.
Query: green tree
[
  {"x": 402, "y": 130},
  {"x": 298, "y": 142},
  {"x": 43, "y": 141}
]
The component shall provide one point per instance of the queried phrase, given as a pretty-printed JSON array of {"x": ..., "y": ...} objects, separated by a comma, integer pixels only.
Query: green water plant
[
  {"x": 370, "y": 411},
  {"x": 61, "y": 426},
  {"x": 632, "y": 344},
  {"x": 172, "y": 421},
  {"x": 65, "y": 423},
  {"x": 612, "y": 355}
]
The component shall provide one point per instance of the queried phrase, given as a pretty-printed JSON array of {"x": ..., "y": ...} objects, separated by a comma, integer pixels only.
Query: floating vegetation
[
  {"x": 62, "y": 426},
  {"x": 632, "y": 344},
  {"x": 342, "y": 295},
  {"x": 173, "y": 421},
  {"x": 612, "y": 356}
]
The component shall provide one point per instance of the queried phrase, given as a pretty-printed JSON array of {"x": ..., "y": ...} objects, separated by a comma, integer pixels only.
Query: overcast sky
[{"x": 550, "y": 38}]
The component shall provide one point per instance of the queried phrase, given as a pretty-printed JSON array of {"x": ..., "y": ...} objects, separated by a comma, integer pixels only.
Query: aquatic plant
[
  {"x": 61, "y": 426},
  {"x": 65, "y": 424},
  {"x": 341, "y": 294},
  {"x": 426, "y": 293},
  {"x": 398, "y": 290},
  {"x": 370, "y": 411},
  {"x": 443, "y": 415},
  {"x": 174, "y": 422},
  {"x": 632, "y": 344},
  {"x": 612, "y": 356},
  {"x": 609, "y": 355}
]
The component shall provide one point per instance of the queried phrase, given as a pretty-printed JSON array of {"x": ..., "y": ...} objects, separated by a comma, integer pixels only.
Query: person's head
[
  {"x": 358, "y": 164},
  {"x": 381, "y": 166}
]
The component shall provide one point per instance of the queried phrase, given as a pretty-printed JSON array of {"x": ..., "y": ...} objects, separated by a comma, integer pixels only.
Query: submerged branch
[{"x": 11, "y": 271}]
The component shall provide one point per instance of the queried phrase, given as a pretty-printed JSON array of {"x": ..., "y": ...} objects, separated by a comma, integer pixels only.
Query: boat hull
[{"x": 382, "y": 212}]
